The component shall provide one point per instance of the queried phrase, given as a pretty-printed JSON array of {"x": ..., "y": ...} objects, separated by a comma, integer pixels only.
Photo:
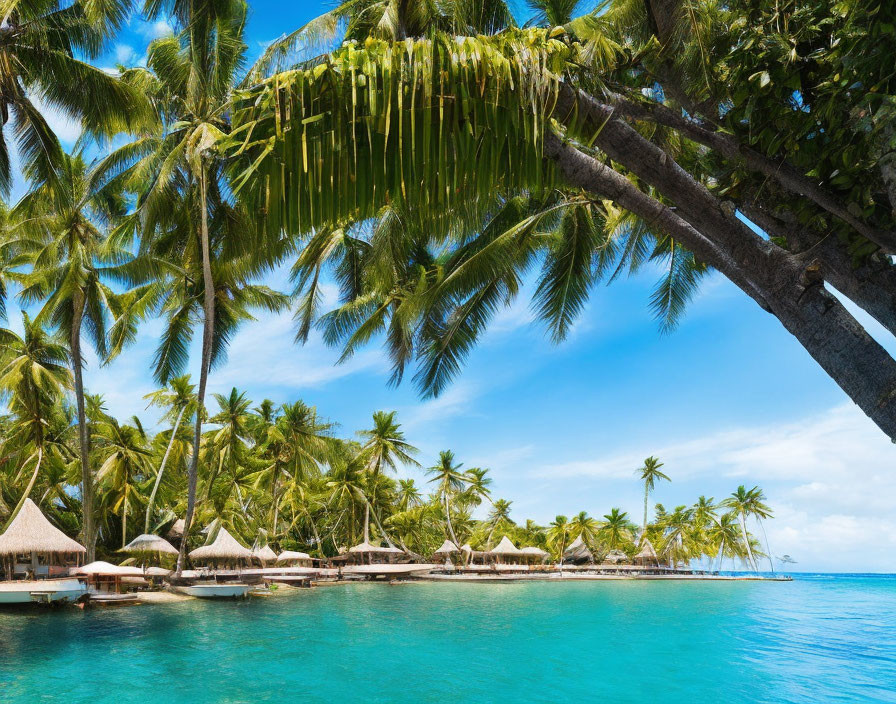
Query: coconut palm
[
  {"x": 649, "y": 474},
  {"x": 558, "y": 536},
  {"x": 177, "y": 398},
  {"x": 43, "y": 49},
  {"x": 58, "y": 235},
  {"x": 449, "y": 480},
  {"x": 408, "y": 495},
  {"x": 125, "y": 464},
  {"x": 500, "y": 513},
  {"x": 385, "y": 446},
  {"x": 616, "y": 530},
  {"x": 745, "y": 503},
  {"x": 33, "y": 377},
  {"x": 584, "y": 526},
  {"x": 478, "y": 483}
]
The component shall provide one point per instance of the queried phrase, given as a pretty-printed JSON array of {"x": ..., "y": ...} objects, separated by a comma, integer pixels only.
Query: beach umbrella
[
  {"x": 147, "y": 543},
  {"x": 447, "y": 548}
]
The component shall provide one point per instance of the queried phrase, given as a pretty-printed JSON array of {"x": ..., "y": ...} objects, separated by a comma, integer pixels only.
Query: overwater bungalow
[{"x": 36, "y": 557}]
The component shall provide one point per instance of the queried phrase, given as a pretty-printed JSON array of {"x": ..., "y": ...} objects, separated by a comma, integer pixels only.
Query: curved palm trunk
[
  {"x": 207, "y": 334},
  {"x": 83, "y": 435},
  {"x": 155, "y": 486},
  {"x": 743, "y": 530},
  {"x": 124, "y": 521},
  {"x": 448, "y": 520},
  {"x": 768, "y": 547},
  {"x": 15, "y": 511}
]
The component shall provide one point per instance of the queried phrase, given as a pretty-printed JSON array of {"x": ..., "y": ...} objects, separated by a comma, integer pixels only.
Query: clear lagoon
[{"x": 822, "y": 638}]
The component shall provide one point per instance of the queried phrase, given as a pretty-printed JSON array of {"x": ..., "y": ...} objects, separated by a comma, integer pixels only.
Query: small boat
[
  {"x": 212, "y": 590},
  {"x": 43, "y": 591}
]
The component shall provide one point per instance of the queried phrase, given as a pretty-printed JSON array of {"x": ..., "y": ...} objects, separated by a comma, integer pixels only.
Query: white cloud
[
  {"x": 829, "y": 478},
  {"x": 264, "y": 353},
  {"x": 456, "y": 400},
  {"x": 153, "y": 30},
  {"x": 124, "y": 53}
]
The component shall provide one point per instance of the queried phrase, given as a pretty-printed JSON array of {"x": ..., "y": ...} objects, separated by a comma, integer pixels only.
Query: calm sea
[{"x": 820, "y": 638}]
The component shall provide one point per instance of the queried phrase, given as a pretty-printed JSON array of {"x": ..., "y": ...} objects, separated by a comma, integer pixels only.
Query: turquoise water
[{"x": 816, "y": 639}]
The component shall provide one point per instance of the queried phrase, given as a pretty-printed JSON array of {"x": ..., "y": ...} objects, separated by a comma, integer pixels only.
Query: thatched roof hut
[
  {"x": 647, "y": 555},
  {"x": 447, "y": 548},
  {"x": 295, "y": 557},
  {"x": 505, "y": 547},
  {"x": 176, "y": 531},
  {"x": 149, "y": 543},
  {"x": 31, "y": 532},
  {"x": 578, "y": 553},
  {"x": 265, "y": 554},
  {"x": 614, "y": 557},
  {"x": 534, "y": 551},
  {"x": 363, "y": 548},
  {"x": 225, "y": 548}
]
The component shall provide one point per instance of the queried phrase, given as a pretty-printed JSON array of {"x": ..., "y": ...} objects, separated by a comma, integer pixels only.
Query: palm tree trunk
[
  {"x": 768, "y": 547},
  {"x": 124, "y": 521},
  {"x": 448, "y": 519},
  {"x": 15, "y": 511},
  {"x": 743, "y": 529},
  {"x": 207, "y": 335},
  {"x": 155, "y": 486},
  {"x": 646, "y": 498},
  {"x": 366, "y": 521},
  {"x": 83, "y": 435}
]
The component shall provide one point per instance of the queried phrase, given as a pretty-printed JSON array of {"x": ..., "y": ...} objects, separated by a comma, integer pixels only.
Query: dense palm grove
[{"x": 603, "y": 141}]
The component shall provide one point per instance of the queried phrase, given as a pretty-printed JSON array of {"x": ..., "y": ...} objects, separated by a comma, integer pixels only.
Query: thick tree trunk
[
  {"x": 871, "y": 285},
  {"x": 777, "y": 280},
  {"x": 207, "y": 336},
  {"x": 728, "y": 146},
  {"x": 158, "y": 481},
  {"x": 83, "y": 434}
]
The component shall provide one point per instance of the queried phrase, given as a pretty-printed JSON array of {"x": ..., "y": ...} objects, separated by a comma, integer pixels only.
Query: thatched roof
[
  {"x": 157, "y": 572},
  {"x": 288, "y": 555},
  {"x": 534, "y": 551},
  {"x": 225, "y": 547},
  {"x": 150, "y": 543},
  {"x": 30, "y": 531},
  {"x": 466, "y": 547},
  {"x": 265, "y": 554},
  {"x": 505, "y": 547},
  {"x": 447, "y": 548},
  {"x": 367, "y": 547},
  {"x": 578, "y": 552},
  {"x": 615, "y": 556},
  {"x": 647, "y": 552},
  {"x": 177, "y": 529},
  {"x": 105, "y": 568}
]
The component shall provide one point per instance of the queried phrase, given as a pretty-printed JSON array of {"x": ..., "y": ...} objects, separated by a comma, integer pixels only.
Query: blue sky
[{"x": 728, "y": 398}]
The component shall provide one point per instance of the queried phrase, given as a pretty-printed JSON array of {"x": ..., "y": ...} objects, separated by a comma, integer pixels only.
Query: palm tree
[
  {"x": 558, "y": 536},
  {"x": 449, "y": 480},
  {"x": 584, "y": 526},
  {"x": 59, "y": 235},
  {"x": 724, "y": 535},
  {"x": 500, "y": 513},
  {"x": 408, "y": 495},
  {"x": 385, "y": 446},
  {"x": 650, "y": 473},
  {"x": 177, "y": 398},
  {"x": 478, "y": 483},
  {"x": 180, "y": 177},
  {"x": 745, "y": 503},
  {"x": 616, "y": 529},
  {"x": 33, "y": 378},
  {"x": 43, "y": 50},
  {"x": 126, "y": 462}
]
